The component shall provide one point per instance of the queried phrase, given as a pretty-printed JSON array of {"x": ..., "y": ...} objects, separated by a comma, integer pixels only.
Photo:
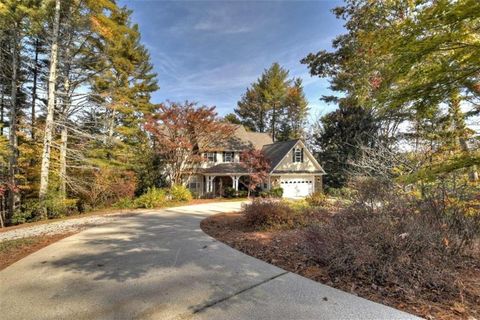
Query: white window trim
[
  {"x": 231, "y": 155},
  {"x": 298, "y": 155},
  {"x": 208, "y": 154}
]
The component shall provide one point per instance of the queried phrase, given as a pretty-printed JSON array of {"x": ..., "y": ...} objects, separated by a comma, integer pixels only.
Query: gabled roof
[
  {"x": 229, "y": 167},
  {"x": 276, "y": 151},
  {"x": 242, "y": 139}
]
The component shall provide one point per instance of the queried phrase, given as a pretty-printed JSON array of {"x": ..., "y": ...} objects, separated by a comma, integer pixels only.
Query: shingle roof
[
  {"x": 229, "y": 167},
  {"x": 242, "y": 139},
  {"x": 276, "y": 151}
]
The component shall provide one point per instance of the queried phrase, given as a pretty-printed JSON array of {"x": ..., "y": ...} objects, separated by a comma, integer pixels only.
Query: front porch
[{"x": 224, "y": 185}]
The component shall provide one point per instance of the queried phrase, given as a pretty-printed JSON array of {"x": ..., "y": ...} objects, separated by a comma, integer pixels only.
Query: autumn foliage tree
[
  {"x": 257, "y": 166},
  {"x": 180, "y": 132}
]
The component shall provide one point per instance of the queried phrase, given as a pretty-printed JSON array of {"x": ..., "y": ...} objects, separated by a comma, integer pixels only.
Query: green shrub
[
  {"x": 242, "y": 194},
  {"x": 345, "y": 193},
  {"x": 21, "y": 216},
  {"x": 180, "y": 193},
  {"x": 317, "y": 199},
  {"x": 58, "y": 207},
  {"x": 55, "y": 205},
  {"x": 230, "y": 192},
  {"x": 272, "y": 193},
  {"x": 153, "y": 198},
  {"x": 124, "y": 203},
  {"x": 276, "y": 192}
]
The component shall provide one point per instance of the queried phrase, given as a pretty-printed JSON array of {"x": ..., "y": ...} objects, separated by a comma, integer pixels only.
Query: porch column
[
  {"x": 235, "y": 182},
  {"x": 210, "y": 183}
]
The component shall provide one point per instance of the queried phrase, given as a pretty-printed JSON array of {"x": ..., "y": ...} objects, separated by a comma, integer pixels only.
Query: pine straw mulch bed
[
  {"x": 13, "y": 250},
  {"x": 286, "y": 249}
]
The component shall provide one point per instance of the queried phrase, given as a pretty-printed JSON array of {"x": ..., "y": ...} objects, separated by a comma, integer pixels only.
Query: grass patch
[{"x": 8, "y": 246}]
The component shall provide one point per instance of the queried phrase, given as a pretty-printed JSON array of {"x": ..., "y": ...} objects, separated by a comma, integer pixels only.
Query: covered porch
[
  {"x": 223, "y": 177},
  {"x": 219, "y": 184}
]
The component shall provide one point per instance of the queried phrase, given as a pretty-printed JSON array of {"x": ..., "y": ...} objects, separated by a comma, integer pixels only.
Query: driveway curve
[{"x": 160, "y": 265}]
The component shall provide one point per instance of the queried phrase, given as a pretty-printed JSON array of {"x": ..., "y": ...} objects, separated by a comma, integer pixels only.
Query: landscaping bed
[
  {"x": 290, "y": 247},
  {"x": 13, "y": 250}
]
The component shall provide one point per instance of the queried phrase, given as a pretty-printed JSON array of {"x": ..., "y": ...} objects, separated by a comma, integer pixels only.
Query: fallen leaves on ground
[{"x": 286, "y": 249}]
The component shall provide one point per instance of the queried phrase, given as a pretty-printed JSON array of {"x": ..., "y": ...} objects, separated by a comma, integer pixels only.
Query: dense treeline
[
  {"x": 75, "y": 86},
  {"x": 408, "y": 81}
]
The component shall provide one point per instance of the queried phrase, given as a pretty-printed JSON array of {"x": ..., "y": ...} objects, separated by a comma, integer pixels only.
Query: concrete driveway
[{"x": 160, "y": 265}]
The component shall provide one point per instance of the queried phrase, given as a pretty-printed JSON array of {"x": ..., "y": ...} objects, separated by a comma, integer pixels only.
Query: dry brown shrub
[
  {"x": 390, "y": 239},
  {"x": 269, "y": 213}
]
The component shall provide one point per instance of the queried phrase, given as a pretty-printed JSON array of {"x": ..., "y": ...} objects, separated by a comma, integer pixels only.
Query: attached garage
[{"x": 297, "y": 186}]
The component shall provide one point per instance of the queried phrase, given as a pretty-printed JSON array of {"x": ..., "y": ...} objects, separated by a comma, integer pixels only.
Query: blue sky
[{"x": 210, "y": 52}]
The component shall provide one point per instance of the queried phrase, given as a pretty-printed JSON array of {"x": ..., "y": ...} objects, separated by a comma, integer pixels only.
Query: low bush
[
  {"x": 272, "y": 193},
  {"x": 153, "y": 198},
  {"x": 180, "y": 193},
  {"x": 276, "y": 192},
  {"x": 106, "y": 187},
  {"x": 343, "y": 193},
  {"x": 317, "y": 199},
  {"x": 402, "y": 242},
  {"x": 298, "y": 204},
  {"x": 124, "y": 203},
  {"x": 22, "y": 216},
  {"x": 55, "y": 205},
  {"x": 269, "y": 213},
  {"x": 230, "y": 192},
  {"x": 242, "y": 194}
]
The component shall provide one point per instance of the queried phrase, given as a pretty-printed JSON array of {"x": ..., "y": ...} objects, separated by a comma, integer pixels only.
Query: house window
[
  {"x": 298, "y": 155},
  {"x": 211, "y": 156},
  {"x": 193, "y": 183},
  {"x": 228, "y": 157}
]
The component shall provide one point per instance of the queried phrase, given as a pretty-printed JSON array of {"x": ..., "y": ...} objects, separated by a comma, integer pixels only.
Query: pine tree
[
  {"x": 268, "y": 105},
  {"x": 252, "y": 111},
  {"x": 294, "y": 120},
  {"x": 274, "y": 85}
]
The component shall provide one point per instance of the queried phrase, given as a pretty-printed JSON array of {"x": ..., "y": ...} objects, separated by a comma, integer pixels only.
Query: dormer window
[
  {"x": 228, "y": 157},
  {"x": 211, "y": 156},
  {"x": 298, "y": 155}
]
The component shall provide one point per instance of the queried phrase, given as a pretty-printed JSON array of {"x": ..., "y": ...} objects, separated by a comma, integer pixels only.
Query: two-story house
[{"x": 292, "y": 166}]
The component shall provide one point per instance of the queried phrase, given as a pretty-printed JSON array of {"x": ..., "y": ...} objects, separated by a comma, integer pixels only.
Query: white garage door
[{"x": 296, "y": 187}]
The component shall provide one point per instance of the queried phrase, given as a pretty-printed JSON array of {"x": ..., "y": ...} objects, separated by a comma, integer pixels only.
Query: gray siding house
[{"x": 293, "y": 167}]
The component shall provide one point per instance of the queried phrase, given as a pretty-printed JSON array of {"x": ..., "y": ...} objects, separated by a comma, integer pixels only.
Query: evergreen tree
[
  {"x": 341, "y": 135},
  {"x": 404, "y": 60},
  {"x": 294, "y": 120},
  {"x": 252, "y": 111},
  {"x": 232, "y": 118},
  {"x": 274, "y": 85},
  {"x": 270, "y": 103}
]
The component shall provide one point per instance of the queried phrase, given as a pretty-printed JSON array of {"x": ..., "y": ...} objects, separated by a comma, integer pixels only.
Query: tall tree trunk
[
  {"x": 47, "y": 141},
  {"x": 63, "y": 160},
  {"x": 64, "y": 134},
  {"x": 34, "y": 87},
  {"x": 2, "y": 115},
  {"x": 274, "y": 120},
  {"x": 12, "y": 163},
  {"x": 111, "y": 126},
  {"x": 461, "y": 129}
]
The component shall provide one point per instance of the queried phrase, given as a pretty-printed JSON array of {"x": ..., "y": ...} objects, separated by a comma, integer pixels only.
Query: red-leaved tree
[
  {"x": 257, "y": 166},
  {"x": 181, "y": 132}
]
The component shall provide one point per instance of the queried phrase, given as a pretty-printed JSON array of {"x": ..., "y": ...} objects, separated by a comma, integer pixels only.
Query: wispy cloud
[{"x": 211, "y": 51}]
